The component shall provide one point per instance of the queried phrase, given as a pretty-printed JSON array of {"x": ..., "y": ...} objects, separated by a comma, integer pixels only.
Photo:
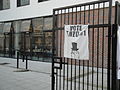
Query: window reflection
[
  {"x": 25, "y": 26},
  {"x": 23, "y": 2},
  {"x": 37, "y": 24},
  {"x": 42, "y": 39},
  {"x": 7, "y": 27},
  {"x": 48, "y": 23},
  {"x": 4, "y": 4},
  {"x": 1, "y": 38}
]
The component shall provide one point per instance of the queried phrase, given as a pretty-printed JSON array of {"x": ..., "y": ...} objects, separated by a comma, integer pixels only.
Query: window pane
[
  {"x": 6, "y": 4},
  {"x": 1, "y": 4},
  {"x": 7, "y": 27},
  {"x": 1, "y": 27},
  {"x": 25, "y": 26},
  {"x": 37, "y": 24},
  {"x": 42, "y": 0},
  {"x": 48, "y": 39},
  {"x": 48, "y": 23},
  {"x": 22, "y": 2}
]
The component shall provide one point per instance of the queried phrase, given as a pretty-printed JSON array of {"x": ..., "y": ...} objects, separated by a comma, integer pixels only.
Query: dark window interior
[
  {"x": 4, "y": 4},
  {"x": 42, "y": 0},
  {"x": 22, "y": 2}
]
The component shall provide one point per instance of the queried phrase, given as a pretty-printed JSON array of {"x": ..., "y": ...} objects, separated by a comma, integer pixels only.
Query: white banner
[
  {"x": 118, "y": 53},
  {"x": 76, "y": 42}
]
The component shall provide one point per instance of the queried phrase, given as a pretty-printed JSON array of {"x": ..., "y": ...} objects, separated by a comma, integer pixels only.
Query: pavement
[{"x": 37, "y": 78}]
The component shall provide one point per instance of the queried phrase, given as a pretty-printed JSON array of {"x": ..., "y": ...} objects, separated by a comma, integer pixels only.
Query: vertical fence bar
[
  {"x": 56, "y": 79},
  {"x": 109, "y": 44},
  {"x": 53, "y": 52},
  {"x": 89, "y": 43},
  {"x": 84, "y": 21},
  {"x": 75, "y": 59},
  {"x": 71, "y": 59},
  {"x": 103, "y": 47},
  {"x": 64, "y": 57},
  {"x": 60, "y": 38},
  {"x": 26, "y": 61},
  {"x": 93, "y": 49},
  {"x": 114, "y": 54},
  {"x": 79, "y": 60},
  {"x": 4, "y": 44},
  {"x": 98, "y": 48},
  {"x": 17, "y": 59},
  {"x": 67, "y": 58},
  {"x": 115, "y": 83}
]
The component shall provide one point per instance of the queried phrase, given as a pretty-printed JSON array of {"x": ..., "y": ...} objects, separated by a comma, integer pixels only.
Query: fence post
[
  {"x": 26, "y": 62},
  {"x": 114, "y": 52},
  {"x": 17, "y": 59}
]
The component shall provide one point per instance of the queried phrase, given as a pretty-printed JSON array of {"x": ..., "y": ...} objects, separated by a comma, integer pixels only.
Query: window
[
  {"x": 42, "y": 0},
  {"x": 37, "y": 24},
  {"x": 25, "y": 26},
  {"x": 4, "y": 4},
  {"x": 48, "y": 23},
  {"x": 22, "y": 2},
  {"x": 1, "y": 27},
  {"x": 7, "y": 27}
]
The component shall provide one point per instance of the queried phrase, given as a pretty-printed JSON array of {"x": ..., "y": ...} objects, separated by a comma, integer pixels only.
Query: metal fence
[{"x": 99, "y": 71}]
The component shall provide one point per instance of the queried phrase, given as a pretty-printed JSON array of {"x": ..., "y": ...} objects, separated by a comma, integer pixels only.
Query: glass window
[
  {"x": 4, "y": 4},
  {"x": 42, "y": 0},
  {"x": 25, "y": 26},
  {"x": 23, "y": 2},
  {"x": 1, "y": 27},
  {"x": 37, "y": 24},
  {"x": 7, "y": 27},
  {"x": 48, "y": 23}
]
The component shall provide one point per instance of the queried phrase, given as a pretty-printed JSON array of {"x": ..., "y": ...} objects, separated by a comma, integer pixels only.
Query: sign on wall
[
  {"x": 118, "y": 53},
  {"x": 76, "y": 42}
]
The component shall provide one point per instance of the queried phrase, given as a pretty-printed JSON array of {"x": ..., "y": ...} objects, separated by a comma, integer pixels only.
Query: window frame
[
  {"x": 18, "y": 3},
  {"x": 42, "y": 1},
  {"x": 1, "y": 4}
]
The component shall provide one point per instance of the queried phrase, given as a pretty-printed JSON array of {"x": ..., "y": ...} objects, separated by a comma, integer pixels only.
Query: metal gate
[{"x": 99, "y": 71}]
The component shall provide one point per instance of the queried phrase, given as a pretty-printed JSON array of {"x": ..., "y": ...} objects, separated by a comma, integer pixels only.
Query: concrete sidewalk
[{"x": 38, "y": 78}]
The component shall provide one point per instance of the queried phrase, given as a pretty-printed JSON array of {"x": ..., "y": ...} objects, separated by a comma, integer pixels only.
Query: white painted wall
[{"x": 35, "y": 9}]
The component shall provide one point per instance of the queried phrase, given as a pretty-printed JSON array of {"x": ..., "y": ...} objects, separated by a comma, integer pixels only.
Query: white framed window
[
  {"x": 22, "y": 2},
  {"x": 4, "y": 4}
]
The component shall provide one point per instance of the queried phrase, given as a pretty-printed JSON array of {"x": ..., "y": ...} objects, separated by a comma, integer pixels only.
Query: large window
[
  {"x": 42, "y": 33},
  {"x": 22, "y": 2},
  {"x": 4, "y": 4},
  {"x": 42, "y": 0}
]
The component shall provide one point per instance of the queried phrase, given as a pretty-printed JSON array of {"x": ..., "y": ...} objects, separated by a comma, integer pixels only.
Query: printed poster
[
  {"x": 118, "y": 53},
  {"x": 76, "y": 44}
]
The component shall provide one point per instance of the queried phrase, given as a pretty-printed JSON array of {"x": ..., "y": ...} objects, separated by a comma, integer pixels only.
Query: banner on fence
[
  {"x": 76, "y": 42},
  {"x": 118, "y": 53}
]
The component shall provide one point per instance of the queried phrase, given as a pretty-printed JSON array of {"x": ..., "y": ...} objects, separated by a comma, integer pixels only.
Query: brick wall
[{"x": 98, "y": 40}]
